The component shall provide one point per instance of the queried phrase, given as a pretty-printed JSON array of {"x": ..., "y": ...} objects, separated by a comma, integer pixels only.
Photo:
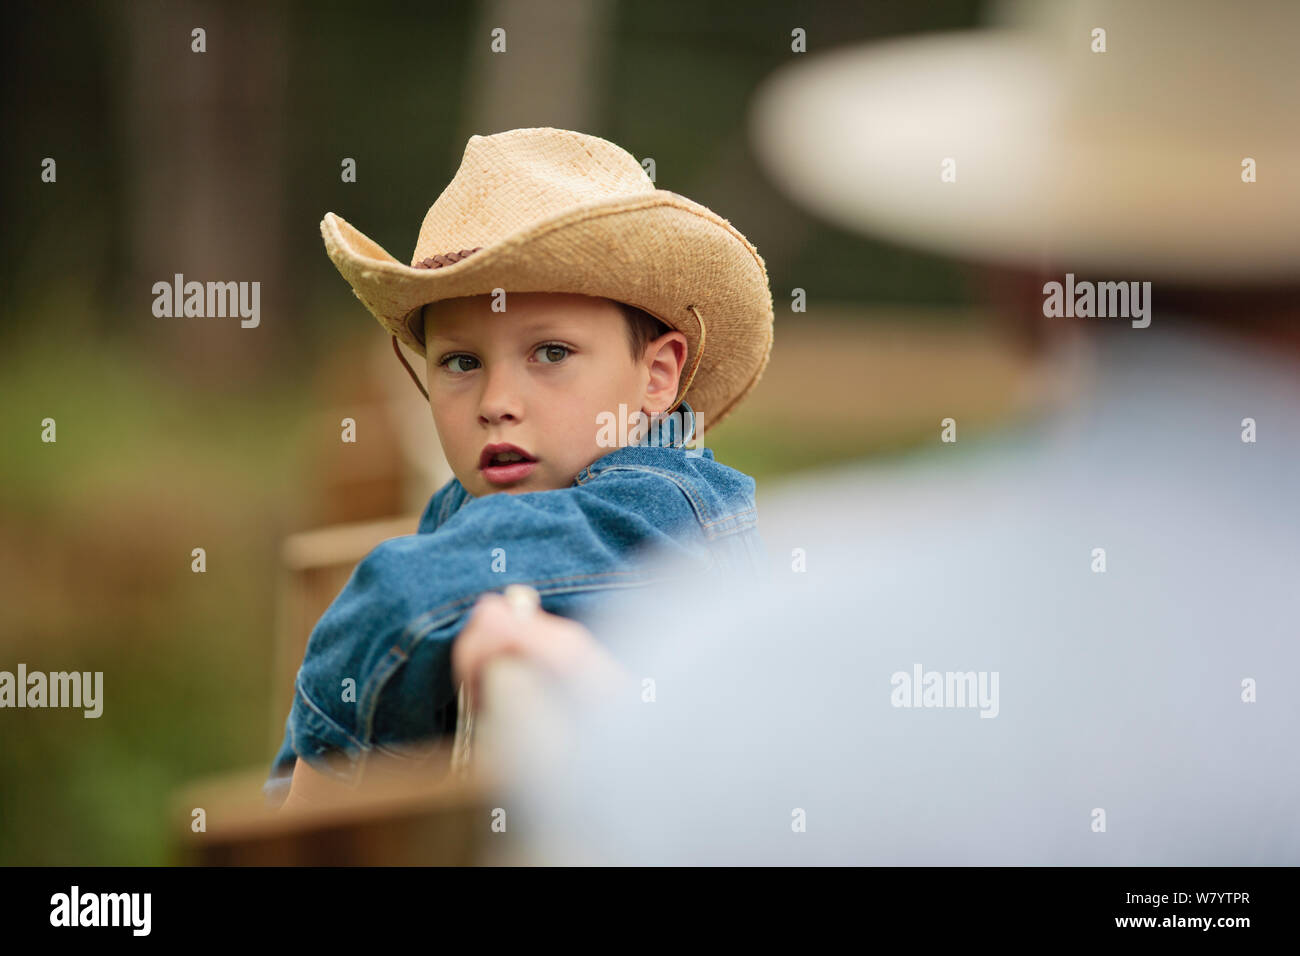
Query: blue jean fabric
[{"x": 376, "y": 675}]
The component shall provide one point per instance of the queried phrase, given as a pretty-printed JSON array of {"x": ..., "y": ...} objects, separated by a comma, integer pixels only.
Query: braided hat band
[{"x": 437, "y": 262}]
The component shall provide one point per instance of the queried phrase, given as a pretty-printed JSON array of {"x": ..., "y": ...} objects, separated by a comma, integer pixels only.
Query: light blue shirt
[{"x": 1157, "y": 698}]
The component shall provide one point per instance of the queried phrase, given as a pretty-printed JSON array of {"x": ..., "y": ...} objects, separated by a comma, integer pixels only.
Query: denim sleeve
[{"x": 377, "y": 670}]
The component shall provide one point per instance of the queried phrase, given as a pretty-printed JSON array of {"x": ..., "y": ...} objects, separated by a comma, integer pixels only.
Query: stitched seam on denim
[
  {"x": 388, "y": 666},
  {"x": 730, "y": 531},
  {"x": 323, "y": 716},
  {"x": 577, "y": 589},
  {"x": 734, "y": 525},
  {"x": 732, "y": 517},
  {"x": 686, "y": 489}
]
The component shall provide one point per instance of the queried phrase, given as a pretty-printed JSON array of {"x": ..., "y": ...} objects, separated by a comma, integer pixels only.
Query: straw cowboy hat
[
  {"x": 552, "y": 210},
  {"x": 1059, "y": 153}
]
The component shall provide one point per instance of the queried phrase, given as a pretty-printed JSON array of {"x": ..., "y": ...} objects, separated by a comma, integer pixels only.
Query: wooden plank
[{"x": 402, "y": 813}]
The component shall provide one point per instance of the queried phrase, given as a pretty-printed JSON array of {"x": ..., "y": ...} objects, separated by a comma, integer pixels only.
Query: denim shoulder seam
[
  {"x": 701, "y": 511},
  {"x": 713, "y": 526},
  {"x": 743, "y": 521}
]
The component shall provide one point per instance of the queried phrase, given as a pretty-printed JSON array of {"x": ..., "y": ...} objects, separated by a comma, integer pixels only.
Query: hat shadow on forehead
[{"x": 478, "y": 307}]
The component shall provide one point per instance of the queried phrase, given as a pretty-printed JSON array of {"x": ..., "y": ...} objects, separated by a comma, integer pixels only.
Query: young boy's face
[{"x": 537, "y": 376}]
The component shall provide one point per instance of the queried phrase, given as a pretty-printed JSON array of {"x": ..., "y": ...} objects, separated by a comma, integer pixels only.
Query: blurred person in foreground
[{"x": 1073, "y": 642}]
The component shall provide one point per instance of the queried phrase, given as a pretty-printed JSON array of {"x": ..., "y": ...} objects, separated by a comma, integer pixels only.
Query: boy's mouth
[{"x": 504, "y": 464}]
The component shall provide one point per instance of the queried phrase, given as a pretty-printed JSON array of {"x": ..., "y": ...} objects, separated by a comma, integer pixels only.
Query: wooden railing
[{"x": 400, "y": 812}]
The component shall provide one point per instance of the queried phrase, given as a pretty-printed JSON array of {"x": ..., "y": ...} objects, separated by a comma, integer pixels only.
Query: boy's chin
[{"x": 481, "y": 487}]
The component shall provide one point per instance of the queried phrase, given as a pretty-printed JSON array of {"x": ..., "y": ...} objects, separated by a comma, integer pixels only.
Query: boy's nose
[
  {"x": 489, "y": 418},
  {"x": 500, "y": 400}
]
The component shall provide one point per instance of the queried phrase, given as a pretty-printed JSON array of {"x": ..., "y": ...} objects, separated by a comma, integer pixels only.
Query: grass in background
[{"x": 96, "y": 533}]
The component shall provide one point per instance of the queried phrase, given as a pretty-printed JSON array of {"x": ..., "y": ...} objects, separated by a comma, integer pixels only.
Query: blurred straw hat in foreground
[{"x": 1064, "y": 156}]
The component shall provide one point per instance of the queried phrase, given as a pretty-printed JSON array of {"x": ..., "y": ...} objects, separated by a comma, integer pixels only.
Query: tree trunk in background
[
  {"x": 204, "y": 165},
  {"x": 551, "y": 72}
]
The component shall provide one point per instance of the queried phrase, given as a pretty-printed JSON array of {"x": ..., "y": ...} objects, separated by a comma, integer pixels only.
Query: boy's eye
[
  {"x": 447, "y": 362},
  {"x": 550, "y": 351}
]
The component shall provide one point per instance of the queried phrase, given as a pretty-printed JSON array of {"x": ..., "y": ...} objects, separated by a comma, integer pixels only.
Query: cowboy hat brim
[{"x": 660, "y": 252}]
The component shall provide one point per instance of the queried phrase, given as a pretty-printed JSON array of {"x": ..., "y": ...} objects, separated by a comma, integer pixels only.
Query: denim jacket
[{"x": 391, "y": 628}]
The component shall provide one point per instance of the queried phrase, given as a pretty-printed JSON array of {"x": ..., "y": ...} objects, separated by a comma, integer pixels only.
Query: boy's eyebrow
[{"x": 527, "y": 327}]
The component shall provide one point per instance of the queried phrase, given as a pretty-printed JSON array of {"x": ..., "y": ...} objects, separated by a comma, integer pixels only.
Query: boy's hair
[{"x": 642, "y": 327}]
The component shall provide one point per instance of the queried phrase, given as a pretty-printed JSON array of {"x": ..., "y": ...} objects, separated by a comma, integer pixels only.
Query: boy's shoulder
[{"x": 719, "y": 496}]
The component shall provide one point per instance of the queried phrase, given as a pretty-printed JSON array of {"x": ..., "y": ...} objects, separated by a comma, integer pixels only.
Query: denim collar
[{"x": 673, "y": 429}]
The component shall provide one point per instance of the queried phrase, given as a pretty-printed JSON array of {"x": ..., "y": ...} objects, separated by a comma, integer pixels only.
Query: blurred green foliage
[{"x": 97, "y": 534}]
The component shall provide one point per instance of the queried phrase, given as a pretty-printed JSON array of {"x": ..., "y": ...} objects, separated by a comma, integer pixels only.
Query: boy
[{"x": 614, "y": 288}]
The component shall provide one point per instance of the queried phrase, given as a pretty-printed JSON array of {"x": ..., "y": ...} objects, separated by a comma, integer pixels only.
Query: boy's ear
[{"x": 664, "y": 357}]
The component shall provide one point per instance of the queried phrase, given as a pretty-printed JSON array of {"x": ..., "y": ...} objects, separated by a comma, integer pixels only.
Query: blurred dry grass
[{"x": 855, "y": 381}]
